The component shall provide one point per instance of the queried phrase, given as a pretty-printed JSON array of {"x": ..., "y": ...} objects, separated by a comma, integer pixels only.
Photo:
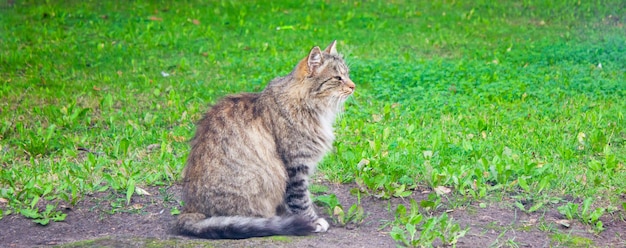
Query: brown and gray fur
[{"x": 252, "y": 154}]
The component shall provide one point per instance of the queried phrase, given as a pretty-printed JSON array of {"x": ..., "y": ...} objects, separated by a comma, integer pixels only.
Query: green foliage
[
  {"x": 4, "y": 213},
  {"x": 174, "y": 211},
  {"x": 38, "y": 142},
  {"x": 330, "y": 202},
  {"x": 486, "y": 98},
  {"x": 354, "y": 216},
  {"x": 570, "y": 240},
  {"x": 591, "y": 217},
  {"x": 43, "y": 217},
  {"x": 531, "y": 209},
  {"x": 317, "y": 189},
  {"x": 431, "y": 229}
]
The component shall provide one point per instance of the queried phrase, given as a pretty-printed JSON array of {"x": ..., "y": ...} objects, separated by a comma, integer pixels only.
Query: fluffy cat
[{"x": 252, "y": 154}]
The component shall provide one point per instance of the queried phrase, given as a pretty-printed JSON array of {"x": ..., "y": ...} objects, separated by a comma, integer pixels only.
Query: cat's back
[
  {"x": 230, "y": 113},
  {"x": 242, "y": 103},
  {"x": 227, "y": 133}
]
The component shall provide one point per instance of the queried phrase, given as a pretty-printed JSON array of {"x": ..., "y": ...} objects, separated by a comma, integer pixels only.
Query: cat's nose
[{"x": 350, "y": 84}]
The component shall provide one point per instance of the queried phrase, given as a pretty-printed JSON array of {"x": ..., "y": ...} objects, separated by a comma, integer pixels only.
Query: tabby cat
[{"x": 252, "y": 154}]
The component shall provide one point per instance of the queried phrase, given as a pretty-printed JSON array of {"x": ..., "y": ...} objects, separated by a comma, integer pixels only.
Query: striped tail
[{"x": 238, "y": 227}]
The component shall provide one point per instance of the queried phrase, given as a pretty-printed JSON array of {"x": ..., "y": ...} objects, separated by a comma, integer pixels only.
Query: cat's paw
[{"x": 321, "y": 225}]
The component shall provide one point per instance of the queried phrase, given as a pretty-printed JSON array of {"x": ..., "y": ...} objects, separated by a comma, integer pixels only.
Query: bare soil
[{"x": 93, "y": 222}]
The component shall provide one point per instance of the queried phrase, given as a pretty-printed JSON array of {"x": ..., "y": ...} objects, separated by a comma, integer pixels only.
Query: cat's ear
[
  {"x": 314, "y": 60},
  {"x": 332, "y": 48},
  {"x": 309, "y": 65}
]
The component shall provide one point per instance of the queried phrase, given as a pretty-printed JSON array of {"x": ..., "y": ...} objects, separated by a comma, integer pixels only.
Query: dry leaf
[
  {"x": 581, "y": 138},
  {"x": 177, "y": 138},
  {"x": 507, "y": 152},
  {"x": 441, "y": 190},
  {"x": 337, "y": 210},
  {"x": 141, "y": 191},
  {"x": 583, "y": 179},
  {"x": 565, "y": 223},
  {"x": 530, "y": 222},
  {"x": 427, "y": 154},
  {"x": 3, "y": 200},
  {"x": 153, "y": 147},
  {"x": 195, "y": 22},
  {"x": 136, "y": 206},
  {"x": 154, "y": 18},
  {"x": 362, "y": 163}
]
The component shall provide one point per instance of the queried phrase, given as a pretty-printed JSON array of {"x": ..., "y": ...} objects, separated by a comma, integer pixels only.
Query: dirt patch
[{"x": 96, "y": 221}]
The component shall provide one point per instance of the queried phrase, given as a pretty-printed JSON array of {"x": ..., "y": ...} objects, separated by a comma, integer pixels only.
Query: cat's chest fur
[{"x": 326, "y": 121}]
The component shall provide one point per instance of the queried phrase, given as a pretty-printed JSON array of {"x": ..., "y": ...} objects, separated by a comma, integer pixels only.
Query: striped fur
[
  {"x": 250, "y": 161},
  {"x": 237, "y": 227}
]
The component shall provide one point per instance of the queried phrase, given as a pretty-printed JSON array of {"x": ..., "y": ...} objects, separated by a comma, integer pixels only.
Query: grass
[
  {"x": 431, "y": 229},
  {"x": 521, "y": 100}
]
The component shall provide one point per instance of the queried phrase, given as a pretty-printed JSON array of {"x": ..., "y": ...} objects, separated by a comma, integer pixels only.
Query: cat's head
[{"x": 324, "y": 75}]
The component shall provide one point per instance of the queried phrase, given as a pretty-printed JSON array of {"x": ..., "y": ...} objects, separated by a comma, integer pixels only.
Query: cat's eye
[{"x": 338, "y": 78}]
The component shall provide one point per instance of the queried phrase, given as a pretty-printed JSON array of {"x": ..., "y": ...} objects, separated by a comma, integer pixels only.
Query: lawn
[{"x": 520, "y": 102}]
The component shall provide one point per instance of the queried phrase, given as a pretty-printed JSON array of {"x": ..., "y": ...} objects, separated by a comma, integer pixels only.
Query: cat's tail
[{"x": 239, "y": 227}]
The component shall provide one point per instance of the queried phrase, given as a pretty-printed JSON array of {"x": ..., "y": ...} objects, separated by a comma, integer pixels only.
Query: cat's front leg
[{"x": 298, "y": 198}]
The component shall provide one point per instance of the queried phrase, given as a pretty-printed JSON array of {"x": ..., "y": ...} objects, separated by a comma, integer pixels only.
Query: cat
[{"x": 252, "y": 154}]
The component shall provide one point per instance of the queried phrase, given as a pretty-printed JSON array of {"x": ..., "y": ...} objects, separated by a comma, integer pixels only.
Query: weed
[
  {"x": 38, "y": 142},
  {"x": 585, "y": 214},
  {"x": 432, "y": 203},
  {"x": 548, "y": 227},
  {"x": 430, "y": 229},
  {"x": 174, "y": 211},
  {"x": 511, "y": 243},
  {"x": 43, "y": 217},
  {"x": 353, "y": 217},
  {"x": 166, "y": 196},
  {"x": 532, "y": 209},
  {"x": 318, "y": 189},
  {"x": 570, "y": 240}
]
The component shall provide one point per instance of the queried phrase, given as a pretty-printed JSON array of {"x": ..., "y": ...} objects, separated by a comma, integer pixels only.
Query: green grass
[{"x": 493, "y": 99}]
